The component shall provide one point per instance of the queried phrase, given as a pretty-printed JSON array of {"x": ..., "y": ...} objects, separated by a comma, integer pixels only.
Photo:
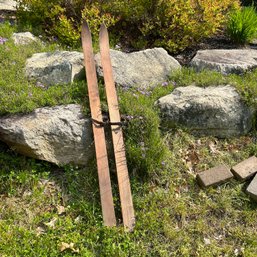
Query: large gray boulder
[
  {"x": 24, "y": 38},
  {"x": 225, "y": 61},
  {"x": 216, "y": 111},
  {"x": 141, "y": 69},
  {"x": 60, "y": 134},
  {"x": 7, "y": 5},
  {"x": 60, "y": 67}
]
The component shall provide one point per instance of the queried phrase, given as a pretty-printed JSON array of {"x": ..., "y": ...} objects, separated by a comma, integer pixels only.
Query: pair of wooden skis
[{"x": 98, "y": 131}]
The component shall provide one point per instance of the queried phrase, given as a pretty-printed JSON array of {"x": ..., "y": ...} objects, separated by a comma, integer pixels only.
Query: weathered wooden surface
[
  {"x": 99, "y": 136},
  {"x": 117, "y": 135}
]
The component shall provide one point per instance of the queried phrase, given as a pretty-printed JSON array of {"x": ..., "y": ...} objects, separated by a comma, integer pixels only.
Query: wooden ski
[
  {"x": 117, "y": 135},
  {"x": 98, "y": 130}
]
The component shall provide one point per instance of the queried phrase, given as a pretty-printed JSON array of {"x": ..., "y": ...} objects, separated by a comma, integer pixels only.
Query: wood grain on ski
[
  {"x": 117, "y": 135},
  {"x": 98, "y": 131}
]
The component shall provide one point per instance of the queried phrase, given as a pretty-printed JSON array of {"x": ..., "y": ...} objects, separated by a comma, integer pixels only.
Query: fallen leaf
[
  {"x": 60, "y": 209},
  {"x": 78, "y": 220},
  {"x": 219, "y": 237},
  {"x": 207, "y": 241},
  {"x": 212, "y": 148},
  {"x": 65, "y": 246},
  {"x": 190, "y": 169},
  {"x": 39, "y": 231},
  {"x": 236, "y": 252},
  {"x": 51, "y": 223},
  {"x": 27, "y": 193},
  {"x": 193, "y": 157},
  {"x": 239, "y": 252}
]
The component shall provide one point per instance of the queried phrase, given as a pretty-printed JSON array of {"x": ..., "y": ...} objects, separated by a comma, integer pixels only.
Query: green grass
[
  {"x": 17, "y": 94},
  {"x": 174, "y": 217},
  {"x": 242, "y": 25}
]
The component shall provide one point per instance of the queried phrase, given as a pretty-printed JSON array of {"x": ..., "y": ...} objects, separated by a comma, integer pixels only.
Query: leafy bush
[
  {"x": 173, "y": 24},
  {"x": 93, "y": 14},
  {"x": 61, "y": 19},
  {"x": 242, "y": 25}
]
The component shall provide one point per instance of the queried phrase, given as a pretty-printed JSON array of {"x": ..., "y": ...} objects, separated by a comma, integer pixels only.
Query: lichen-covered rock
[
  {"x": 60, "y": 67},
  {"x": 24, "y": 38},
  {"x": 8, "y": 5},
  {"x": 141, "y": 69},
  {"x": 216, "y": 111},
  {"x": 60, "y": 134},
  {"x": 225, "y": 61}
]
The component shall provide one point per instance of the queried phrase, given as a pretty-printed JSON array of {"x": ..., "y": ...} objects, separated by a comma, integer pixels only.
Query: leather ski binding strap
[{"x": 106, "y": 123}]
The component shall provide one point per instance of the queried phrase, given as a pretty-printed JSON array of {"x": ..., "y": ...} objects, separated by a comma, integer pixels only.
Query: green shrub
[
  {"x": 173, "y": 24},
  {"x": 61, "y": 19},
  {"x": 242, "y": 25}
]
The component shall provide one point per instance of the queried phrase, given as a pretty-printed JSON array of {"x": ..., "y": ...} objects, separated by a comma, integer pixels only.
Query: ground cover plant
[
  {"x": 48, "y": 210},
  {"x": 16, "y": 91}
]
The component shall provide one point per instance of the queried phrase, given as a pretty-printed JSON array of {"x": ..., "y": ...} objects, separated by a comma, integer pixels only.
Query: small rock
[
  {"x": 60, "y": 67},
  {"x": 24, "y": 38},
  {"x": 214, "y": 176},
  {"x": 245, "y": 169},
  {"x": 7, "y": 5},
  {"x": 225, "y": 61},
  {"x": 141, "y": 69},
  {"x": 252, "y": 188}
]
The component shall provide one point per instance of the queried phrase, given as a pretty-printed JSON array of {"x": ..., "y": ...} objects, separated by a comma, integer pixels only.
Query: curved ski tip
[
  {"x": 85, "y": 26},
  {"x": 103, "y": 28}
]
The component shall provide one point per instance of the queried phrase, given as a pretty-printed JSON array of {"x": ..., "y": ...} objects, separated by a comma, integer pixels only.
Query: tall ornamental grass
[{"x": 242, "y": 25}]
